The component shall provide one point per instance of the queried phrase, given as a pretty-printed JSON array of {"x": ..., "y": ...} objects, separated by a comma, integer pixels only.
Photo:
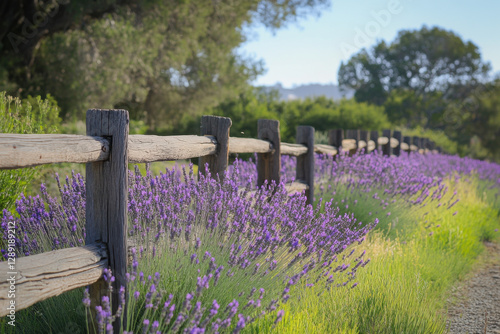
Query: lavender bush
[
  {"x": 214, "y": 256},
  {"x": 209, "y": 256}
]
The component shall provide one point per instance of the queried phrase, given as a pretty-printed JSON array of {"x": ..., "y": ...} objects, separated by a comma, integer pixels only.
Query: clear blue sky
[{"x": 311, "y": 50}]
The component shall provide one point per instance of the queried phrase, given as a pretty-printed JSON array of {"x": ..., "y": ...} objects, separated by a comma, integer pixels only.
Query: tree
[
  {"x": 428, "y": 62},
  {"x": 160, "y": 59},
  {"x": 482, "y": 118}
]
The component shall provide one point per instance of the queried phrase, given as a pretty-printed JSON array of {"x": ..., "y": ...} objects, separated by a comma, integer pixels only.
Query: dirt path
[{"x": 475, "y": 306}]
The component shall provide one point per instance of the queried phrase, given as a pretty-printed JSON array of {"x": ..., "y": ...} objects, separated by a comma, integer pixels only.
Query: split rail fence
[{"x": 108, "y": 148}]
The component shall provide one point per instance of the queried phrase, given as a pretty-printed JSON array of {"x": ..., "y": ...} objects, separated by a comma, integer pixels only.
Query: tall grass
[{"x": 417, "y": 256}]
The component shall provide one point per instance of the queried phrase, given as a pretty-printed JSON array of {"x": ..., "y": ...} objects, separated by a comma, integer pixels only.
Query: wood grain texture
[
  {"x": 386, "y": 148},
  {"x": 26, "y": 150},
  {"x": 49, "y": 274},
  {"x": 107, "y": 197},
  {"x": 249, "y": 145},
  {"x": 396, "y": 149},
  {"x": 305, "y": 162},
  {"x": 142, "y": 148},
  {"x": 325, "y": 149},
  {"x": 293, "y": 149},
  {"x": 219, "y": 128},
  {"x": 269, "y": 164}
]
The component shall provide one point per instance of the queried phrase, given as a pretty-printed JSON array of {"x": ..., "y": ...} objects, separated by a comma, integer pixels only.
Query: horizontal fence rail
[
  {"x": 325, "y": 149},
  {"x": 249, "y": 145},
  {"x": 293, "y": 149},
  {"x": 18, "y": 151},
  {"x": 143, "y": 148},
  {"x": 41, "y": 276},
  {"x": 108, "y": 148}
]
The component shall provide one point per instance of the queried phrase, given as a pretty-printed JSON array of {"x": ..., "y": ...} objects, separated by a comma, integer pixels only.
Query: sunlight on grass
[{"x": 405, "y": 287}]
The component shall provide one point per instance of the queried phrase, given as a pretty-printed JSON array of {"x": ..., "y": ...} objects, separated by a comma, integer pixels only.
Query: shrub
[{"x": 32, "y": 115}]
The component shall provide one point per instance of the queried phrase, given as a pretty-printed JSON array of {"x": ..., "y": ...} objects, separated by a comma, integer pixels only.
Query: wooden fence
[{"x": 108, "y": 148}]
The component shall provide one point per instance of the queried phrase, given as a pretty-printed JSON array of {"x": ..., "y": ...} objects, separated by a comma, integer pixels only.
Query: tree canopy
[
  {"x": 424, "y": 61},
  {"x": 425, "y": 78},
  {"x": 159, "y": 59}
]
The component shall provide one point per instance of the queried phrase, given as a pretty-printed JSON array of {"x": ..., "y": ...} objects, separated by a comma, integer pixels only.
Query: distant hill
[{"x": 311, "y": 90}]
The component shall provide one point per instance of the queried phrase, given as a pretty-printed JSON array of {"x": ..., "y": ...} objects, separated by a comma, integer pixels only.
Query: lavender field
[{"x": 386, "y": 239}]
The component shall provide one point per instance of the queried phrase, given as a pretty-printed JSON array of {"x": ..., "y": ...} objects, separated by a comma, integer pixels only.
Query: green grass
[{"x": 405, "y": 287}]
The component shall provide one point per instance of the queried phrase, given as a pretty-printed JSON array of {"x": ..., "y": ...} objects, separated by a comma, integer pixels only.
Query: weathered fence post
[
  {"x": 374, "y": 138},
  {"x": 269, "y": 164},
  {"x": 219, "y": 128},
  {"x": 386, "y": 149},
  {"x": 397, "y": 150},
  {"x": 352, "y": 134},
  {"x": 305, "y": 162},
  {"x": 407, "y": 141},
  {"x": 106, "y": 196},
  {"x": 335, "y": 138}
]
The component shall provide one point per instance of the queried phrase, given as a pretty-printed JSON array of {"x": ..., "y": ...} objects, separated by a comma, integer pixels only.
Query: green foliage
[
  {"x": 321, "y": 137},
  {"x": 425, "y": 60},
  {"x": 248, "y": 108},
  {"x": 485, "y": 122},
  {"x": 321, "y": 113},
  {"x": 32, "y": 115},
  {"x": 405, "y": 107},
  {"x": 430, "y": 78},
  {"x": 161, "y": 60},
  {"x": 325, "y": 114}
]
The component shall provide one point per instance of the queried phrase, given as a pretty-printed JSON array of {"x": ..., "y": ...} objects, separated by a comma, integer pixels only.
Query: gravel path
[{"x": 477, "y": 301}]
